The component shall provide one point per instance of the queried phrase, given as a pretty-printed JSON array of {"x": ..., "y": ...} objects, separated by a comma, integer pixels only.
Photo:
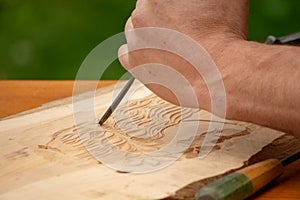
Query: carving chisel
[
  {"x": 116, "y": 102},
  {"x": 245, "y": 182}
]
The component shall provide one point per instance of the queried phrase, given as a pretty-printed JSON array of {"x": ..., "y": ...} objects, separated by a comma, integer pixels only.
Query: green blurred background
[{"x": 49, "y": 39}]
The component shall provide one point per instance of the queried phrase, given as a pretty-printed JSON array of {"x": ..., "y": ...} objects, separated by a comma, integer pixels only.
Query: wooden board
[{"x": 43, "y": 157}]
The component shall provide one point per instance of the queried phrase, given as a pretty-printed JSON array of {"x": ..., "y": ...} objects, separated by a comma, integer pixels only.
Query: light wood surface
[{"x": 18, "y": 96}]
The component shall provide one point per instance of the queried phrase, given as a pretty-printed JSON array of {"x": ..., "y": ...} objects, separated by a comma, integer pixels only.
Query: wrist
[{"x": 244, "y": 80}]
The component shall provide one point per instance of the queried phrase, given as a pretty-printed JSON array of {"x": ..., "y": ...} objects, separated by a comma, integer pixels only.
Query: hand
[{"x": 214, "y": 24}]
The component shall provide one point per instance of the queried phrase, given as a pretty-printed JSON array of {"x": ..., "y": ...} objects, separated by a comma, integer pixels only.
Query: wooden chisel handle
[{"x": 243, "y": 183}]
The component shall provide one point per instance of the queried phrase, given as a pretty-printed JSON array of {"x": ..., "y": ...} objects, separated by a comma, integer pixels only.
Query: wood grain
[{"x": 21, "y": 95}]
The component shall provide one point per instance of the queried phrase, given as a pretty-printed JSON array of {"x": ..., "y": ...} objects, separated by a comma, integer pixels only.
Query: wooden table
[{"x": 18, "y": 96}]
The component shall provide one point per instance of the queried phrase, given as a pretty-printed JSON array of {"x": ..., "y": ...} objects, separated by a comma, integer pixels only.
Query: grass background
[{"x": 49, "y": 39}]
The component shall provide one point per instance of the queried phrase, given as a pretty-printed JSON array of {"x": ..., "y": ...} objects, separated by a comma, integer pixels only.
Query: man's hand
[
  {"x": 214, "y": 24},
  {"x": 261, "y": 81}
]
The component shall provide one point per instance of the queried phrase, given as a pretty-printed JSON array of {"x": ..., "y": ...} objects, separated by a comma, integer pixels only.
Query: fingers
[
  {"x": 139, "y": 3},
  {"x": 124, "y": 56},
  {"x": 129, "y": 25},
  {"x": 128, "y": 30},
  {"x": 142, "y": 4},
  {"x": 123, "y": 53}
]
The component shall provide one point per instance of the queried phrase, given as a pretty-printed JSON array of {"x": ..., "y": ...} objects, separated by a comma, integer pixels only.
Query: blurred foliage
[
  {"x": 275, "y": 17},
  {"x": 49, "y": 39}
]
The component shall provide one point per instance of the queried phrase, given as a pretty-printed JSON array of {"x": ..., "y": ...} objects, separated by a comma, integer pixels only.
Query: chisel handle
[{"x": 243, "y": 183}]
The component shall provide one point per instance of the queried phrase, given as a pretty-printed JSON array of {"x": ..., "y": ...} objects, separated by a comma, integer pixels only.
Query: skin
[{"x": 261, "y": 81}]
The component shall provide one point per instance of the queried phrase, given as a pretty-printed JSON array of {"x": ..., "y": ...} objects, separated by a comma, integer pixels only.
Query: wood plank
[{"x": 50, "y": 156}]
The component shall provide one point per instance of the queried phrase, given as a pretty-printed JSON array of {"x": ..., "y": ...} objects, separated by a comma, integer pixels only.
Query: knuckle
[
  {"x": 129, "y": 25},
  {"x": 141, "y": 3},
  {"x": 137, "y": 19}
]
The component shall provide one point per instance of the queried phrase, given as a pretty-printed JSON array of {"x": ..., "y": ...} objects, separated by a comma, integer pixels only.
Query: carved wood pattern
[
  {"x": 43, "y": 156},
  {"x": 120, "y": 134}
]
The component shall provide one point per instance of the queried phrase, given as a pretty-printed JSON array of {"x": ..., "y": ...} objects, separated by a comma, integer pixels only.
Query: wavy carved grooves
[
  {"x": 143, "y": 125},
  {"x": 67, "y": 142}
]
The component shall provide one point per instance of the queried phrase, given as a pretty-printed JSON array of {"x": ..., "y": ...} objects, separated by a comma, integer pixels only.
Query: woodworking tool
[
  {"x": 245, "y": 182},
  {"x": 116, "y": 102},
  {"x": 292, "y": 39}
]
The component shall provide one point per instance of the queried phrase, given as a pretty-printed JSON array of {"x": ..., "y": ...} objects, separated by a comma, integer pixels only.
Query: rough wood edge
[{"x": 279, "y": 148}]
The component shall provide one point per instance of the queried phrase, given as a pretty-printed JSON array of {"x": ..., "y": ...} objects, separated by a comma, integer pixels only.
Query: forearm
[
  {"x": 266, "y": 86},
  {"x": 261, "y": 81}
]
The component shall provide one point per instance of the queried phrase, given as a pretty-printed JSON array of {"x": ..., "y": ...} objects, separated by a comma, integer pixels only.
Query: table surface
[{"x": 18, "y": 96}]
